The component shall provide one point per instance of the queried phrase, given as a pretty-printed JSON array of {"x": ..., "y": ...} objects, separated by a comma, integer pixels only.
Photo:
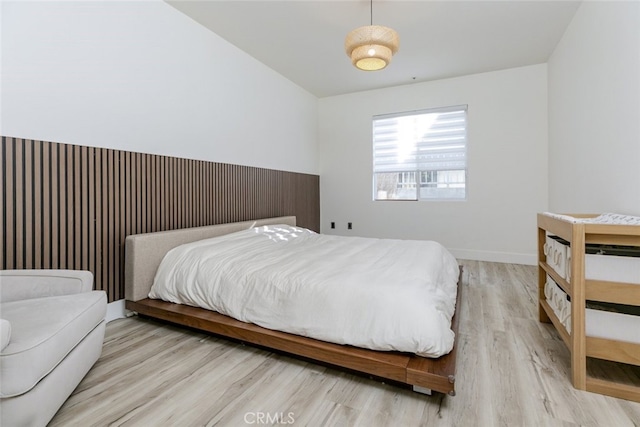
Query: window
[{"x": 421, "y": 155}]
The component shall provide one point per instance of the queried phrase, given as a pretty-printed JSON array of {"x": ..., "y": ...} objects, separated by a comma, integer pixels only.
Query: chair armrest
[{"x": 18, "y": 285}]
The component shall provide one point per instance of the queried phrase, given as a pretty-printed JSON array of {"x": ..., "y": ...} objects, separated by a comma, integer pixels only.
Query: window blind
[{"x": 426, "y": 140}]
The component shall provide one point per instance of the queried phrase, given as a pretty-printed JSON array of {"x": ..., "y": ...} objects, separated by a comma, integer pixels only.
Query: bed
[{"x": 145, "y": 252}]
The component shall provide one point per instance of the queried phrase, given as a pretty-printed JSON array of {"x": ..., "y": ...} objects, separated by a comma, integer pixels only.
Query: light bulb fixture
[{"x": 372, "y": 46}]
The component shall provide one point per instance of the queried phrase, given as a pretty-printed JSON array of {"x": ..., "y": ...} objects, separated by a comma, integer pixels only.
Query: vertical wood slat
[
  {"x": 78, "y": 202},
  {"x": 104, "y": 226},
  {"x": 91, "y": 206},
  {"x": 37, "y": 203},
  {"x": 112, "y": 222},
  {"x": 18, "y": 242},
  {"x": 69, "y": 206},
  {"x": 54, "y": 195},
  {"x": 138, "y": 194},
  {"x": 45, "y": 238},
  {"x": 126, "y": 193},
  {"x": 121, "y": 230},
  {"x": 82, "y": 208},
  {"x": 62, "y": 206},
  {"x": 100, "y": 212},
  {"x": 7, "y": 202},
  {"x": 28, "y": 213}
]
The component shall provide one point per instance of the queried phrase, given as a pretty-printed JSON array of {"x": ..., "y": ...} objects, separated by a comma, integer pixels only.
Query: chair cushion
[
  {"x": 5, "y": 333},
  {"x": 44, "y": 331}
]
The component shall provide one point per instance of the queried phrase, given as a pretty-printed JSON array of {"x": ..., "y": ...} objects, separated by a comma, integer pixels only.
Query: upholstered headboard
[{"x": 144, "y": 252}]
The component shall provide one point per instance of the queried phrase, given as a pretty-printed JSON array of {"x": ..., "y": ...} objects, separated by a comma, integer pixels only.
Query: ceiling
[{"x": 304, "y": 40}]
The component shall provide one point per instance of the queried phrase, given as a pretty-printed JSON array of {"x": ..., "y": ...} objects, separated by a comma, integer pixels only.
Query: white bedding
[{"x": 379, "y": 294}]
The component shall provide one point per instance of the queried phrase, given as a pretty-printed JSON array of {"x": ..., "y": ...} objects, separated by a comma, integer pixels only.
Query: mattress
[{"x": 380, "y": 294}]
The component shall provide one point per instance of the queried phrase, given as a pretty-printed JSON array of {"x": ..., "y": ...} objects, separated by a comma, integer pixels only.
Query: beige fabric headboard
[{"x": 144, "y": 252}]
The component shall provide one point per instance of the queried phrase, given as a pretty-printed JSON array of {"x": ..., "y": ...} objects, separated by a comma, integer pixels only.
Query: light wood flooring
[{"x": 512, "y": 371}]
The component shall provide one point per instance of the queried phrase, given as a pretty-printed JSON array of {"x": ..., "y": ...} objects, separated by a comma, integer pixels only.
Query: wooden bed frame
[{"x": 144, "y": 253}]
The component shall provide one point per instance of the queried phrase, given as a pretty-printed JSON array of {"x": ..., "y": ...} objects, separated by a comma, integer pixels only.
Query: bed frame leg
[{"x": 422, "y": 390}]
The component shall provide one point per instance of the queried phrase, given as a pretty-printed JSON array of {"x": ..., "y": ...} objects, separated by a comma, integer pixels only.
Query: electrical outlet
[
  {"x": 333, "y": 224},
  {"x": 349, "y": 226}
]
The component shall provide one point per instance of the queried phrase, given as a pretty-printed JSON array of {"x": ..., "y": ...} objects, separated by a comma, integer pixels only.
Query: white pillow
[{"x": 5, "y": 333}]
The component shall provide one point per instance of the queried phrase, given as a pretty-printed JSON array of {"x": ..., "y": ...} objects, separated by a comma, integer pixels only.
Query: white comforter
[{"x": 374, "y": 293}]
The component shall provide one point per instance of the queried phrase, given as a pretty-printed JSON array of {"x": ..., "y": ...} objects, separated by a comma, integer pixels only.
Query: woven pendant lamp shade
[{"x": 371, "y": 47}]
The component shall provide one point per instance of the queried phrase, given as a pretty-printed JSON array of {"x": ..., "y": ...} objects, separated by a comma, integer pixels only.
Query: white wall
[
  {"x": 141, "y": 76},
  {"x": 594, "y": 111},
  {"x": 507, "y": 165}
]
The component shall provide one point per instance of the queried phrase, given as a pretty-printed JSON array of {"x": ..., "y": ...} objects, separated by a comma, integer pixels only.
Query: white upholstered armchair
[{"x": 51, "y": 333}]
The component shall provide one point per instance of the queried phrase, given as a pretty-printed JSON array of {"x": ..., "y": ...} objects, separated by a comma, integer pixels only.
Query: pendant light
[{"x": 372, "y": 46}]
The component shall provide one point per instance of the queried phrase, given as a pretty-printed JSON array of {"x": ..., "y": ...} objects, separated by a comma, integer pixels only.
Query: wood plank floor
[{"x": 512, "y": 371}]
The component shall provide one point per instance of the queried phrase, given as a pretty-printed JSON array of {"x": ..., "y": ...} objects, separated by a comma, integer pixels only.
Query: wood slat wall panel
[{"x": 70, "y": 206}]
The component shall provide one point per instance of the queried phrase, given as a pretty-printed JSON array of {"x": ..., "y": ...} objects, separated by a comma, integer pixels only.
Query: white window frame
[{"x": 422, "y": 142}]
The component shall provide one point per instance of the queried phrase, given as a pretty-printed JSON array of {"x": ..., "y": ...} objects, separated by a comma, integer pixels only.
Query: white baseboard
[
  {"x": 115, "y": 310},
  {"x": 504, "y": 257}
]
